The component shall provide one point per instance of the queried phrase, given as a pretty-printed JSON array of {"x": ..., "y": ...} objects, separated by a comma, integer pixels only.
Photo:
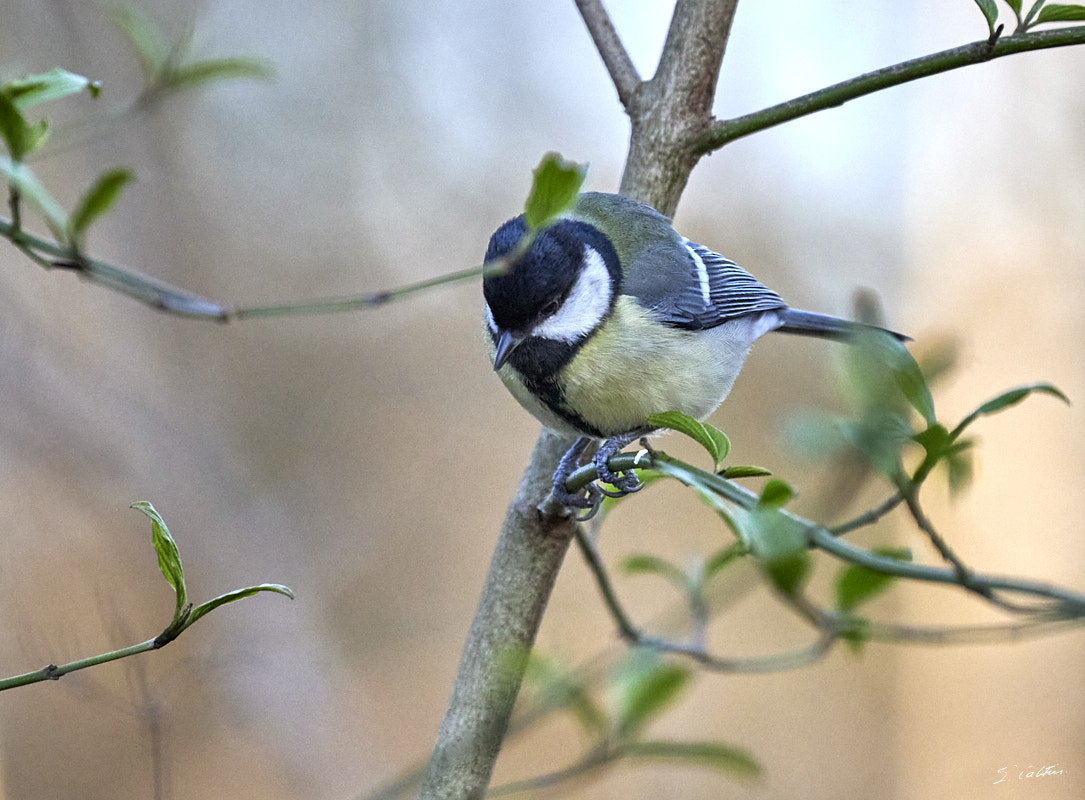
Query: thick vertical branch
[
  {"x": 674, "y": 108},
  {"x": 525, "y": 565},
  {"x": 667, "y": 114}
]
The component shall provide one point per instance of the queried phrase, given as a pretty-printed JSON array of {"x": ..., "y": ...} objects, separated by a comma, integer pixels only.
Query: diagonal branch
[
  {"x": 976, "y": 53},
  {"x": 611, "y": 50}
]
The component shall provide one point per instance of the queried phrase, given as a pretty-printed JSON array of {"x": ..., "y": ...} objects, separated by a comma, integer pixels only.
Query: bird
[{"x": 610, "y": 315}]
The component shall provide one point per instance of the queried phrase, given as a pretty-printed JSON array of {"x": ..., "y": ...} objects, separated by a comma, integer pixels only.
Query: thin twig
[
  {"x": 975, "y": 53},
  {"x": 609, "y": 44}
]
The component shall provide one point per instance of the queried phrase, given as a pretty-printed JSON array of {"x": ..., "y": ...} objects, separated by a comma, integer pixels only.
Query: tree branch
[
  {"x": 611, "y": 50},
  {"x": 525, "y": 564},
  {"x": 674, "y": 107},
  {"x": 976, "y": 53}
]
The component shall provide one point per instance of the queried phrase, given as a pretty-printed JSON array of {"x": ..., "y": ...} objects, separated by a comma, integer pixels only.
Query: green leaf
[
  {"x": 935, "y": 440},
  {"x": 559, "y": 687},
  {"x": 644, "y": 686},
  {"x": 554, "y": 190},
  {"x": 855, "y": 633},
  {"x": 879, "y": 437},
  {"x": 722, "y": 558},
  {"x": 731, "y": 473},
  {"x": 709, "y": 437},
  {"x": 201, "y": 73},
  {"x": 36, "y": 135},
  {"x": 715, "y": 755},
  {"x": 990, "y": 13},
  {"x": 237, "y": 594},
  {"x": 1061, "y": 12},
  {"x": 775, "y": 494},
  {"x": 145, "y": 36},
  {"x": 13, "y": 128},
  {"x": 643, "y": 563},
  {"x": 43, "y": 87},
  {"x": 778, "y": 541},
  {"x": 788, "y": 573},
  {"x": 856, "y": 585},
  {"x": 958, "y": 461},
  {"x": 1016, "y": 6},
  {"x": 871, "y": 355},
  {"x": 909, "y": 378},
  {"x": 97, "y": 200},
  {"x": 169, "y": 557},
  {"x": 1010, "y": 397},
  {"x": 1014, "y": 396}
]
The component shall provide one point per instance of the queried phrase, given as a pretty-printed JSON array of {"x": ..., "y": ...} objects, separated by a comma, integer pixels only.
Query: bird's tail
[{"x": 810, "y": 323}]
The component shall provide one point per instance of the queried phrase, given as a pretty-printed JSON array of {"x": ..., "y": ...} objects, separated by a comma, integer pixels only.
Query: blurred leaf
[
  {"x": 28, "y": 187},
  {"x": 169, "y": 557},
  {"x": 731, "y": 473},
  {"x": 715, "y": 755},
  {"x": 237, "y": 594},
  {"x": 146, "y": 37},
  {"x": 879, "y": 437},
  {"x": 43, "y": 87},
  {"x": 779, "y": 543},
  {"x": 775, "y": 494},
  {"x": 554, "y": 190},
  {"x": 645, "y": 687},
  {"x": 1015, "y": 5},
  {"x": 856, "y": 633},
  {"x": 958, "y": 463},
  {"x": 788, "y": 573},
  {"x": 856, "y": 585},
  {"x": 1061, "y": 12},
  {"x": 97, "y": 200},
  {"x": 709, "y": 437},
  {"x": 13, "y": 128},
  {"x": 935, "y": 440},
  {"x": 36, "y": 135},
  {"x": 200, "y": 73},
  {"x": 990, "y": 12},
  {"x": 874, "y": 353},
  {"x": 561, "y": 688},
  {"x": 723, "y": 558},
  {"x": 648, "y": 564},
  {"x": 909, "y": 377}
]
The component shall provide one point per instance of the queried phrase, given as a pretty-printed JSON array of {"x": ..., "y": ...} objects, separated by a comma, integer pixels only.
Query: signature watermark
[{"x": 1042, "y": 771}]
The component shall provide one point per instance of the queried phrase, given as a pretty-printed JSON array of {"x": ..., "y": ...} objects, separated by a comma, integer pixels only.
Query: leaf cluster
[
  {"x": 167, "y": 68},
  {"x": 894, "y": 423},
  {"x": 185, "y": 614},
  {"x": 614, "y": 718}
]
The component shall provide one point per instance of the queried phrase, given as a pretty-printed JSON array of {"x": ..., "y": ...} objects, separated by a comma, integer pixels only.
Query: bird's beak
[{"x": 507, "y": 341}]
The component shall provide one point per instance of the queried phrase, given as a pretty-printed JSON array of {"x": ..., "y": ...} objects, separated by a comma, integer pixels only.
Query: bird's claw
[{"x": 591, "y": 496}]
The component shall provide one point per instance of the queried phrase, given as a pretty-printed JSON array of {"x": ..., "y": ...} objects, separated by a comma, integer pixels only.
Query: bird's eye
[{"x": 551, "y": 308}]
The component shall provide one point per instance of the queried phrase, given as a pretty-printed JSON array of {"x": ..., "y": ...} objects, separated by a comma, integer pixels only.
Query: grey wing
[{"x": 718, "y": 290}]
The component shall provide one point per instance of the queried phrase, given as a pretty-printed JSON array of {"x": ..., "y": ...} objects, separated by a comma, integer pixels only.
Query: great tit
[{"x": 610, "y": 316}]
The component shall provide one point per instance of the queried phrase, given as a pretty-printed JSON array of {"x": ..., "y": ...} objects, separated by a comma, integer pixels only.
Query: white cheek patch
[
  {"x": 585, "y": 306},
  {"x": 490, "y": 318}
]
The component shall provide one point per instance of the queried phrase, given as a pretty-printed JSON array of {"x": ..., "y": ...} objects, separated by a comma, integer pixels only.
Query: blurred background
[{"x": 366, "y": 459}]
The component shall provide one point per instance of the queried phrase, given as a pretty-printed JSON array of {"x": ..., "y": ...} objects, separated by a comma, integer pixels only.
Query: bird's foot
[
  {"x": 590, "y": 496},
  {"x": 623, "y": 482}
]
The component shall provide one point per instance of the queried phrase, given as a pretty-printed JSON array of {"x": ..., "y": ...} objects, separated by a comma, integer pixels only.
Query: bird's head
[{"x": 554, "y": 296}]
